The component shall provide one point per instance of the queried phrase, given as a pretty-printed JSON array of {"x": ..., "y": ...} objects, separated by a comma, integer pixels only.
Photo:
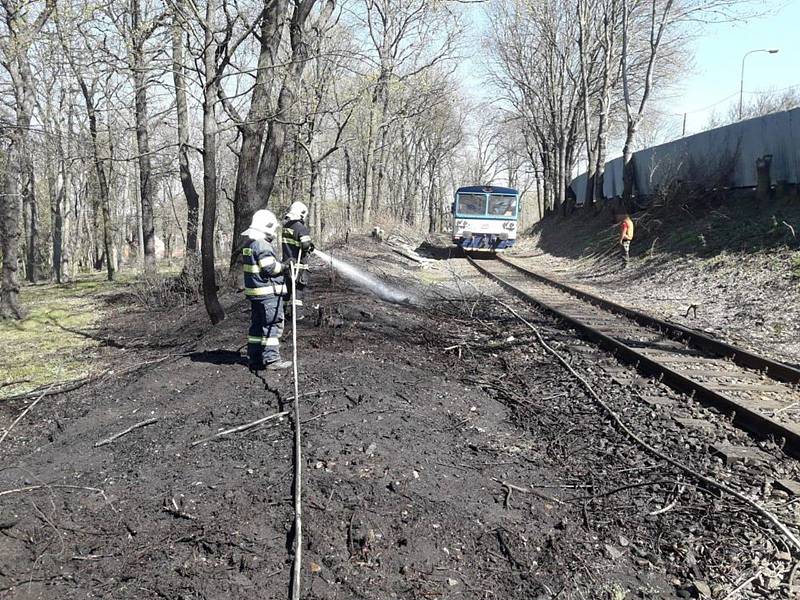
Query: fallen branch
[
  {"x": 622, "y": 488},
  {"x": 792, "y": 574},
  {"x": 172, "y": 508},
  {"x": 32, "y": 488},
  {"x": 408, "y": 255},
  {"x": 17, "y": 382},
  {"x": 657, "y": 453},
  {"x": 67, "y": 387},
  {"x": 735, "y": 592},
  {"x": 669, "y": 506},
  {"x": 25, "y": 412},
  {"x": 324, "y": 414},
  {"x": 317, "y": 393},
  {"x": 71, "y": 386},
  {"x": 240, "y": 428},
  {"x": 510, "y": 486},
  {"x": 108, "y": 440}
]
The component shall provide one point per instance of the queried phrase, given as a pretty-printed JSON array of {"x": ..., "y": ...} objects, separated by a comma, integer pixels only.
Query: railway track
[{"x": 761, "y": 394}]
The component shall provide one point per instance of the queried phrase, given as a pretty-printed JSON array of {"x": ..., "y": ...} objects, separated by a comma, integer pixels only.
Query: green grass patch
[
  {"x": 53, "y": 342},
  {"x": 795, "y": 266}
]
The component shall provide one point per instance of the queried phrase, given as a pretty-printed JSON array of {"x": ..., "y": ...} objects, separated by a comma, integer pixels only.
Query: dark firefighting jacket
[
  {"x": 296, "y": 236},
  {"x": 263, "y": 273}
]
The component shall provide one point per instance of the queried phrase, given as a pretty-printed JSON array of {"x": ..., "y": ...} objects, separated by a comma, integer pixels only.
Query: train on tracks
[{"x": 485, "y": 218}]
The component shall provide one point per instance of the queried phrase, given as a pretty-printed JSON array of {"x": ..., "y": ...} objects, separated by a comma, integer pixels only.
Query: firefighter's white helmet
[
  {"x": 298, "y": 211},
  {"x": 263, "y": 225}
]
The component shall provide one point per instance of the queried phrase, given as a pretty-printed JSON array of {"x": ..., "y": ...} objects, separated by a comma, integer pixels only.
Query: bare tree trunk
[
  {"x": 369, "y": 166},
  {"x": 215, "y": 311},
  {"x": 31, "y": 212},
  {"x": 278, "y": 125},
  {"x": 658, "y": 23},
  {"x": 348, "y": 183},
  {"x": 609, "y": 39},
  {"x": 375, "y": 137},
  {"x": 9, "y": 236},
  {"x": 146, "y": 188},
  {"x": 252, "y": 128},
  {"x": 583, "y": 27},
  {"x": 102, "y": 182},
  {"x": 25, "y": 92},
  {"x": 58, "y": 191},
  {"x": 314, "y": 204},
  {"x": 379, "y": 164},
  {"x": 181, "y": 105},
  {"x": 16, "y": 61},
  {"x": 431, "y": 196}
]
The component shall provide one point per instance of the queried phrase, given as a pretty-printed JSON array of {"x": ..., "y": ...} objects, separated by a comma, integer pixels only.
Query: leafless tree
[
  {"x": 652, "y": 30},
  {"x": 22, "y": 21},
  {"x": 179, "y": 15}
]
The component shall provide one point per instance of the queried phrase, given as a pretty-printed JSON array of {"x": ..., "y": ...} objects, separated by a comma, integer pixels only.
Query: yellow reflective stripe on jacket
[
  {"x": 251, "y": 269},
  {"x": 267, "y": 262},
  {"x": 291, "y": 241},
  {"x": 264, "y": 341},
  {"x": 268, "y": 290},
  {"x": 247, "y": 252},
  {"x": 305, "y": 238}
]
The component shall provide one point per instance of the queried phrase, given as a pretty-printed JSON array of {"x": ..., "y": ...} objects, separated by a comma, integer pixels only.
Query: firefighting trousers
[{"x": 266, "y": 327}]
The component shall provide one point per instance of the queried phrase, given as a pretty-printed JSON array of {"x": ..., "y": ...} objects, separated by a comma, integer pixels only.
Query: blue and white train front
[{"x": 485, "y": 218}]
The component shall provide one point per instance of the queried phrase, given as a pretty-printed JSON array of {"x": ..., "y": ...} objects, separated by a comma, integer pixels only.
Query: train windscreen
[
  {"x": 471, "y": 204},
  {"x": 502, "y": 206}
]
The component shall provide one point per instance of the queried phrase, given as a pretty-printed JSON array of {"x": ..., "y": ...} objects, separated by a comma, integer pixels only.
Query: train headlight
[
  {"x": 504, "y": 236},
  {"x": 467, "y": 234}
]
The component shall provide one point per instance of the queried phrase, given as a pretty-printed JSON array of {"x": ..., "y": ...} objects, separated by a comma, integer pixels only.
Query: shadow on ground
[{"x": 218, "y": 357}]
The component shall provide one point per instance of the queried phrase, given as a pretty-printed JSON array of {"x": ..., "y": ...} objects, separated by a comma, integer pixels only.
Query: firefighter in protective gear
[
  {"x": 297, "y": 244},
  {"x": 264, "y": 287}
]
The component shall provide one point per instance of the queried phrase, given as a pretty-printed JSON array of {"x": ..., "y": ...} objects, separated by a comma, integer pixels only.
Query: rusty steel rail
[
  {"x": 745, "y": 416},
  {"x": 744, "y": 358}
]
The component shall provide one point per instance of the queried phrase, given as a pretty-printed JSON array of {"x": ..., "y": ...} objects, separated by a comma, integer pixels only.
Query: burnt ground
[{"x": 446, "y": 454}]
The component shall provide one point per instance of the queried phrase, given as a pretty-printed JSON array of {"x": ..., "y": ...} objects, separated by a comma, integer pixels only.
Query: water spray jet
[{"x": 366, "y": 281}]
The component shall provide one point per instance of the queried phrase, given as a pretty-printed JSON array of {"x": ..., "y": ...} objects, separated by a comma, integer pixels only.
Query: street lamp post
[{"x": 741, "y": 83}]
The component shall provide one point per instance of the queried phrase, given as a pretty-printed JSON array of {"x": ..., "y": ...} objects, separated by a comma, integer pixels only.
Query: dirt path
[{"x": 422, "y": 427}]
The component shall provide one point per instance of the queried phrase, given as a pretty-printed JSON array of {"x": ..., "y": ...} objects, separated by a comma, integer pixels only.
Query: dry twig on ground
[
  {"x": 110, "y": 439},
  {"x": 25, "y": 412},
  {"x": 240, "y": 427},
  {"x": 172, "y": 508}
]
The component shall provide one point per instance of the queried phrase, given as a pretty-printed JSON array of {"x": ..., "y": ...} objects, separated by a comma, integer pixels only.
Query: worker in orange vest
[{"x": 625, "y": 235}]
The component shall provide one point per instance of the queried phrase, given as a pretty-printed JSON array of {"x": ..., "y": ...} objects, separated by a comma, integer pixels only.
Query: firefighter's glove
[
  {"x": 310, "y": 248},
  {"x": 286, "y": 266}
]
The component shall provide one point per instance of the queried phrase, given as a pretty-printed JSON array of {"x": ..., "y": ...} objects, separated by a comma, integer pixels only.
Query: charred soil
[{"x": 446, "y": 454}]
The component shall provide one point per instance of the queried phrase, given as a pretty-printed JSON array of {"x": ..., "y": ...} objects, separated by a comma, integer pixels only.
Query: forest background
[{"x": 135, "y": 133}]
